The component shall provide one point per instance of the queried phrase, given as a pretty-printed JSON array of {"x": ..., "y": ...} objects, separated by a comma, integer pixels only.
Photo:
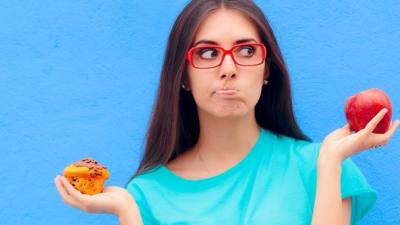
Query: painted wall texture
[{"x": 78, "y": 78}]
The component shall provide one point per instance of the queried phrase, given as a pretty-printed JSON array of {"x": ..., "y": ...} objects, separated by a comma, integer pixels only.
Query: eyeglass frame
[{"x": 226, "y": 52}]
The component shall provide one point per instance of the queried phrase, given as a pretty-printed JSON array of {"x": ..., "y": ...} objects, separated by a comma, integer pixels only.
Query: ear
[
  {"x": 266, "y": 75},
  {"x": 185, "y": 87},
  {"x": 186, "y": 84}
]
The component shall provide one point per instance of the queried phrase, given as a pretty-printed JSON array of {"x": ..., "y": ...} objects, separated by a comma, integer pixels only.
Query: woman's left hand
[{"x": 342, "y": 143}]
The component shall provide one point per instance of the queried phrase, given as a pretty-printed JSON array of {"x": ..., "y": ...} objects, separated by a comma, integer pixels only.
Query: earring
[
  {"x": 265, "y": 82},
  {"x": 184, "y": 87}
]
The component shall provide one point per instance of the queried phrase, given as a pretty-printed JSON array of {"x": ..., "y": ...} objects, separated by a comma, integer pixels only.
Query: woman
[{"x": 223, "y": 146}]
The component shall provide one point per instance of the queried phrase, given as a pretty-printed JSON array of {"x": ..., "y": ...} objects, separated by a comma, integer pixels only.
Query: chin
[
  {"x": 226, "y": 110},
  {"x": 231, "y": 111}
]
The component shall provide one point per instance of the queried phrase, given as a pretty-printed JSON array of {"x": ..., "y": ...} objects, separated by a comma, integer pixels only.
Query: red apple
[{"x": 363, "y": 106}]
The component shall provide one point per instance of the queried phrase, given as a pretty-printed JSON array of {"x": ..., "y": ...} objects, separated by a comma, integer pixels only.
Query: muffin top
[{"x": 95, "y": 168}]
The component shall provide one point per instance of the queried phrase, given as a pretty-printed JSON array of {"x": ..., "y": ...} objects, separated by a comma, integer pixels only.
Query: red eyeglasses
[{"x": 211, "y": 56}]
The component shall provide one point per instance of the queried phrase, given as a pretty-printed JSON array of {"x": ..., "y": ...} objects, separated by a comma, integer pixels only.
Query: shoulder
[
  {"x": 301, "y": 153},
  {"x": 306, "y": 152},
  {"x": 302, "y": 150},
  {"x": 147, "y": 180},
  {"x": 141, "y": 187}
]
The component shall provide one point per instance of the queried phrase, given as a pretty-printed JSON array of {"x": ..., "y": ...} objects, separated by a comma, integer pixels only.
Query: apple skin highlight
[{"x": 363, "y": 106}]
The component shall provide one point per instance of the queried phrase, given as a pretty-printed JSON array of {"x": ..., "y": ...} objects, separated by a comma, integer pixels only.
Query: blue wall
[{"x": 78, "y": 78}]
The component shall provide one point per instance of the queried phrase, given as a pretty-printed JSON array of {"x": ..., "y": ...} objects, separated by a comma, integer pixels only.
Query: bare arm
[
  {"x": 130, "y": 215},
  {"x": 113, "y": 200},
  {"x": 329, "y": 206},
  {"x": 346, "y": 203}
]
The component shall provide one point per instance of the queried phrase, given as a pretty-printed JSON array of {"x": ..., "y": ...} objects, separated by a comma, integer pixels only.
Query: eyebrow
[{"x": 215, "y": 43}]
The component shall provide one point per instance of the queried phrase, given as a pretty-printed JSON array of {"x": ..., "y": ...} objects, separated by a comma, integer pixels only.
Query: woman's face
[{"x": 225, "y": 27}]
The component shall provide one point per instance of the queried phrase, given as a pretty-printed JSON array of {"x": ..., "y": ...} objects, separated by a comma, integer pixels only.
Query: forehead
[{"x": 225, "y": 27}]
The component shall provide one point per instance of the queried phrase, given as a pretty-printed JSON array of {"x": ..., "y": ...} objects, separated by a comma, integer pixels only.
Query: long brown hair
[{"x": 174, "y": 124}]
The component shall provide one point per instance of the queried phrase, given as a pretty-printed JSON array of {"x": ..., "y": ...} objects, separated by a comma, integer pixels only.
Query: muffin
[{"x": 87, "y": 176}]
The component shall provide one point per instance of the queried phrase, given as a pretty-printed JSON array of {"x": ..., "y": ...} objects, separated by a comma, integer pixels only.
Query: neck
[{"x": 225, "y": 142}]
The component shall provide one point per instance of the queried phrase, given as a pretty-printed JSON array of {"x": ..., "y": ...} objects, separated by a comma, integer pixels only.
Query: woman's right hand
[{"x": 113, "y": 200}]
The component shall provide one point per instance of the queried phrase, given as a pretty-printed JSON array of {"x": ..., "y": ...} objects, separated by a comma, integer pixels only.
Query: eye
[
  {"x": 207, "y": 53},
  {"x": 246, "y": 51}
]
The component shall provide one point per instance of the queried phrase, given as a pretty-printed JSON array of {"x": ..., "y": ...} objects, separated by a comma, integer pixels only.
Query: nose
[{"x": 228, "y": 67}]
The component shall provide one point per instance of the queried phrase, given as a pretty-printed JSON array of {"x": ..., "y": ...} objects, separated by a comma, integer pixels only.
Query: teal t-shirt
[{"x": 275, "y": 183}]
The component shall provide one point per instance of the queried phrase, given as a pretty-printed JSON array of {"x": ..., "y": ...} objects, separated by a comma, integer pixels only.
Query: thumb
[
  {"x": 111, "y": 189},
  {"x": 346, "y": 126},
  {"x": 345, "y": 130}
]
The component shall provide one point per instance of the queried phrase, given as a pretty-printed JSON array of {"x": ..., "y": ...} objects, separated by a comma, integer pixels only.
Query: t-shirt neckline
[{"x": 171, "y": 177}]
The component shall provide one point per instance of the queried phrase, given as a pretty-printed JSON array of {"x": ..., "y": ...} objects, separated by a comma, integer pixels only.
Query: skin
[
  {"x": 222, "y": 142},
  {"x": 113, "y": 200},
  {"x": 336, "y": 147}
]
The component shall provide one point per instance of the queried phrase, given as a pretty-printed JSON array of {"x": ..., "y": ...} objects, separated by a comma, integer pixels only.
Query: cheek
[
  {"x": 200, "y": 86},
  {"x": 249, "y": 81},
  {"x": 253, "y": 94},
  {"x": 253, "y": 85}
]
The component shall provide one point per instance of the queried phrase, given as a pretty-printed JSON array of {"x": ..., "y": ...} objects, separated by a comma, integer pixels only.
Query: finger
[
  {"x": 110, "y": 188},
  {"x": 75, "y": 194},
  {"x": 59, "y": 187},
  {"x": 392, "y": 129},
  {"x": 63, "y": 193},
  {"x": 342, "y": 132},
  {"x": 383, "y": 139},
  {"x": 346, "y": 129},
  {"x": 375, "y": 120}
]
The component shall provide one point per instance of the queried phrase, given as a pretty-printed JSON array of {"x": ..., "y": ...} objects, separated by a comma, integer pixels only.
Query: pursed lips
[{"x": 226, "y": 92}]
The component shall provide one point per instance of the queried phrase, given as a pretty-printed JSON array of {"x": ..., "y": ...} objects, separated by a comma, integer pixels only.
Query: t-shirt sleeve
[
  {"x": 353, "y": 182},
  {"x": 134, "y": 189},
  {"x": 355, "y": 185}
]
